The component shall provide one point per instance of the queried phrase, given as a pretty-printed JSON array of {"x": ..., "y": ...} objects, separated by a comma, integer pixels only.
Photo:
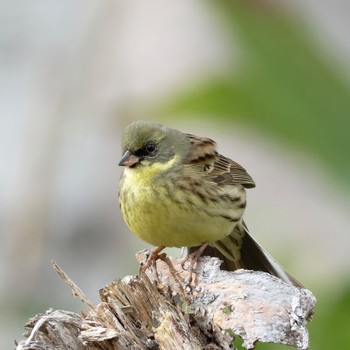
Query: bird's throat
[{"x": 145, "y": 171}]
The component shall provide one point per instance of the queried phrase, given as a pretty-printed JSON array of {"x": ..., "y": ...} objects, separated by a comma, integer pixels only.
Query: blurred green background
[{"x": 268, "y": 80}]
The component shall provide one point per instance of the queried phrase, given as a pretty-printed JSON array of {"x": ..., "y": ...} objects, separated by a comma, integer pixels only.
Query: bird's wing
[
  {"x": 215, "y": 166},
  {"x": 226, "y": 171}
]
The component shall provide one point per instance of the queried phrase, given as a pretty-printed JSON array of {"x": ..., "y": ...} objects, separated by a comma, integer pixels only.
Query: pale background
[{"x": 74, "y": 74}]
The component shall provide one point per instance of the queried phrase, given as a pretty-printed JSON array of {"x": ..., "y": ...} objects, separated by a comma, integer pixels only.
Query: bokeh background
[{"x": 268, "y": 79}]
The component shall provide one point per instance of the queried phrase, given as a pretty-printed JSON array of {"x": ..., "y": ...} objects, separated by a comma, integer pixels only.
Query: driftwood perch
[{"x": 157, "y": 310}]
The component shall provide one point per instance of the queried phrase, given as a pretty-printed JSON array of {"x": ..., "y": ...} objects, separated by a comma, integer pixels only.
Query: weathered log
[{"x": 158, "y": 310}]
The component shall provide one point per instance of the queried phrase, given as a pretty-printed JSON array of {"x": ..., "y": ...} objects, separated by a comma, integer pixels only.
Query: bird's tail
[{"x": 251, "y": 256}]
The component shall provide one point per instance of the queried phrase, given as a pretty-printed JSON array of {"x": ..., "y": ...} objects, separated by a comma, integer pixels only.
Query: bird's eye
[{"x": 150, "y": 148}]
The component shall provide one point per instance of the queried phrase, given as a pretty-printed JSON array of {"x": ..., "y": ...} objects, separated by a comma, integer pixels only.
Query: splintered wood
[{"x": 158, "y": 310}]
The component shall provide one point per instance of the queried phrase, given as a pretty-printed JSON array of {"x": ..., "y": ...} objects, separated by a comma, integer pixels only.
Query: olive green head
[{"x": 146, "y": 143}]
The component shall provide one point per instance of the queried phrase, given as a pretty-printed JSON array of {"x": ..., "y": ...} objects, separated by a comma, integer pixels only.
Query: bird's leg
[
  {"x": 193, "y": 257},
  {"x": 154, "y": 257}
]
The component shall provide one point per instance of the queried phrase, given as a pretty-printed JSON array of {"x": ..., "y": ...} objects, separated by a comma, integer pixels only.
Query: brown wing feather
[
  {"x": 218, "y": 168},
  {"x": 203, "y": 150},
  {"x": 228, "y": 172}
]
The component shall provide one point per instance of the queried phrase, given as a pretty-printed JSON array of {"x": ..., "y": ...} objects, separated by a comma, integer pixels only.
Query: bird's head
[{"x": 149, "y": 144}]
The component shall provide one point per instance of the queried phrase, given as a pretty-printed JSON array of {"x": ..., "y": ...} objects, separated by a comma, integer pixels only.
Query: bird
[{"x": 177, "y": 190}]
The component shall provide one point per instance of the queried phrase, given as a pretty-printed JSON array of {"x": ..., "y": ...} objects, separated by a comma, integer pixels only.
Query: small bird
[{"x": 178, "y": 191}]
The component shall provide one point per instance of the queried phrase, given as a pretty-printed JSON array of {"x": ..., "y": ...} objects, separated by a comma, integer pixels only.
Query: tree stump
[{"x": 159, "y": 310}]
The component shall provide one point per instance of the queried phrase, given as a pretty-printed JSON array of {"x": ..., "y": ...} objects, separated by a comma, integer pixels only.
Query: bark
[{"x": 159, "y": 310}]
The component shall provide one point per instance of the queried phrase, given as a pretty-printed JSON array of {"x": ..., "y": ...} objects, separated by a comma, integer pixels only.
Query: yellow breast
[{"x": 162, "y": 214}]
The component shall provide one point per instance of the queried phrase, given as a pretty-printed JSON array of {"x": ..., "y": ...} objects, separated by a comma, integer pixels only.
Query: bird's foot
[
  {"x": 193, "y": 258},
  {"x": 154, "y": 257}
]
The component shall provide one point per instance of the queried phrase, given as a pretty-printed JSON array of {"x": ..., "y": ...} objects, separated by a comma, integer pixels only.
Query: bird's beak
[{"x": 129, "y": 159}]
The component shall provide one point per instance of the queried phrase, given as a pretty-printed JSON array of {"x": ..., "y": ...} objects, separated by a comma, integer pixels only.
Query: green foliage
[
  {"x": 238, "y": 343},
  {"x": 285, "y": 85},
  {"x": 227, "y": 309},
  {"x": 331, "y": 324},
  {"x": 186, "y": 307}
]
